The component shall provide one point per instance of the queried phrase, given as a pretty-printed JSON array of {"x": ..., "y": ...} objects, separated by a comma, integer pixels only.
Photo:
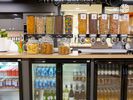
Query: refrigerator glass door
[
  {"x": 130, "y": 83},
  {"x": 108, "y": 81},
  {"x": 43, "y": 81},
  {"x": 9, "y": 81},
  {"x": 74, "y": 81}
]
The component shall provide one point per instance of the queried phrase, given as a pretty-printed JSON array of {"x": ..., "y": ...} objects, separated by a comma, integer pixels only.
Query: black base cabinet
[{"x": 60, "y": 79}]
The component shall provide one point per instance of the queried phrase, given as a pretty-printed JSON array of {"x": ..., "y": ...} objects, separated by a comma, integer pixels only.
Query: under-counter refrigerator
[
  {"x": 10, "y": 79},
  {"x": 109, "y": 80},
  {"x": 60, "y": 79}
]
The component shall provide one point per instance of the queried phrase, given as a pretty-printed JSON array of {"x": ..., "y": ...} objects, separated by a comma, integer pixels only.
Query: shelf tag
[
  {"x": 115, "y": 16},
  {"x": 83, "y": 16},
  {"x": 104, "y": 16},
  {"x": 94, "y": 16}
]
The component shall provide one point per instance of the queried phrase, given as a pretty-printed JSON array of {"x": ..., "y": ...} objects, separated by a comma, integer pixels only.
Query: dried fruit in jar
[
  {"x": 103, "y": 24},
  {"x": 30, "y": 24},
  {"x": 46, "y": 48},
  {"x": 32, "y": 48},
  {"x": 93, "y": 20},
  {"x": 124, "y": 24},
  {"x": 82, "y": 23},
  {"x": 64, "y": 50},
  {"x": 40, "y": 25},
  {"x": 49, "y": 25},
  {"x": 114, "y": 23},
  {"x": 68, "y": 24}
]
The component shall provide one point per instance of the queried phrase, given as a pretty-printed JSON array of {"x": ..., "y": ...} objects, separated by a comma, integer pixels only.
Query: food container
[
  {"x": 32, "y": 46},
  {"x": 46, "y": 45},
  {"x": 124, "y": 24},
  {"x": 93, "y": 23},
  {"x": 63, "y": 46},
  {"x": 40, "y": 24},
  {"x": 30, "y": 24},
  {"x": 68, "y": 24},
  {"x": 103, "y": 24},
  {"x": 114, "y": 23},
  {"x": 82, "y": 24},
  {"x": 49, "y": 24},
  {"x": 58, "y": 27}
]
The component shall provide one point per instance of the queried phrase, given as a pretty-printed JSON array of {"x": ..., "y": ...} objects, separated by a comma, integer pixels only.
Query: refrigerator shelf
[
  {"x": 9, "y": 89},
  {"x": 8, "y": 77}
]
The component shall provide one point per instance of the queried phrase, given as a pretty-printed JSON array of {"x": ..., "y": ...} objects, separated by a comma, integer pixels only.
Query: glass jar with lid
[
  {"x": 103, "y": 23},
  {"x": 46, "y": 45},
  {"x": 63, "y": 46},
  {"x": 32, "y": 46}
]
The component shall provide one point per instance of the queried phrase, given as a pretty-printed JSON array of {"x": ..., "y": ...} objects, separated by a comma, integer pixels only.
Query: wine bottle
[
  {"x": 83, "y": 94},
  {"x": 65, "y": 93},
  {"x": 76, "y": 93},
  {"x": 71, "y": 93}
]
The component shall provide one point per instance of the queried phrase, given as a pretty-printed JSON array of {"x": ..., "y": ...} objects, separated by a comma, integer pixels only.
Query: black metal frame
[
  {"x": 123, "y": 71},
  {"x": 59, "y": 74},
  {"x": 20, "y": 74}
]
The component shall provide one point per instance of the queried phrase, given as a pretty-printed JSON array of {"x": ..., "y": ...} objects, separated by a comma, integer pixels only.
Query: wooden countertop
[{"x": 57, "y": 56}]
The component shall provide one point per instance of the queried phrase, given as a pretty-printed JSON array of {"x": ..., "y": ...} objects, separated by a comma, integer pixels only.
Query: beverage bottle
[
  {"x": 74, "y": 75},
  {"x": 71, "y": 93},
  {"x": 65, "y": 93},
  {"x": 83, "y": 77},
  {"x": 82, "y": 93},
  {"x": 76, "y": 96},
  {"x": 36, "y": 95},
  {"x": 44, "y": 95}
]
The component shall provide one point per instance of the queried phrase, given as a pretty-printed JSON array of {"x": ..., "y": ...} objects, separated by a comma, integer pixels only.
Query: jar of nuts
[
  {"x": 63, "y": 46},
  {"x": 32, "y": 46},
  {"x": 46, "y": 45}
]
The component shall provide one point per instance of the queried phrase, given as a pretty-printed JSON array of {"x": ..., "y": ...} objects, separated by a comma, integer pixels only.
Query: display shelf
[{"x": 9, "y": 89}]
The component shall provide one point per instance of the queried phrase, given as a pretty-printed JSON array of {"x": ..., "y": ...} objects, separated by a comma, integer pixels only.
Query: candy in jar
[
  {"x": 49, "y": 25},
  {"x": 68, "y": 24}
]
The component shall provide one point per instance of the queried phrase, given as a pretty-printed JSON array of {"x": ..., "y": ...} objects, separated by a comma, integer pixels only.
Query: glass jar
[
  {"x": 68, "y": 24},
  {"x": 46, "y": 45},
  {"x": 103, "y": 24},
  {"x": 30, "y": 24},
  {"x": 114, "y": 23},
  {"x": 58, "y": 27},
  {"x": 124, "y": 24},
  {"x": 32, "y": 46},
  {"x": 40, "y": 24},
  {"x": 49, "y": 24},
  {"x": 82, "y": 24},
  {"x": 63, "y": 46},
  {"x": 93, "y": 23}
]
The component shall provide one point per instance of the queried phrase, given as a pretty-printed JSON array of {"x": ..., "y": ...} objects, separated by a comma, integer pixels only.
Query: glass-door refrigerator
[
  {"x": 43, "y": 77},
  {"x": 130, "y": 82},
  {"x": 108, "y": 80},
  {"x": 75, "y": 80},
  {"x": 10, "y": 79}
]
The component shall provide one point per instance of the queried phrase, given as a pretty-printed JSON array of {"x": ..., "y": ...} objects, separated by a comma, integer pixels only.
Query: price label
[
  {"x": 116, "y": 16},
  {"x": 94, "y": 16},
  {"x": 83, "y": 16},
  {"x": 126, "y": 17},
  {"x": 104, "y": 16}
]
